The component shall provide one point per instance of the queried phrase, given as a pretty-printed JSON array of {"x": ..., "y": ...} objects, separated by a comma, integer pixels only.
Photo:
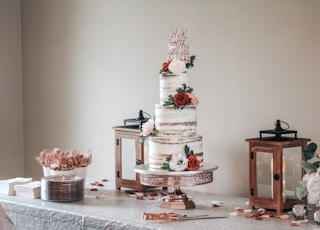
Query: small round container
[
  {"x": 64, "y": 188},
  {"x": 300, "y": 212}
]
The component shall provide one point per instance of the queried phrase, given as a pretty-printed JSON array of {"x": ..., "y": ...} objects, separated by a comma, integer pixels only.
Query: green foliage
[
  {"x": 302, "y": 190},
  {"x": 309, "y": 152},
  {"x": 190, "y": 64},
  {"x": 309, "y": 167},
  {"x": 184, "y": 89},
  {"x": 188, "y": 151},
  {"x": 166, "y": 165}
]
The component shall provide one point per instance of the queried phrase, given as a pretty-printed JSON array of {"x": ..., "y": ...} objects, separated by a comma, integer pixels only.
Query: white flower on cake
[
  {"x": 177, "y": 67},
  {"x": 178, "y": 162}
]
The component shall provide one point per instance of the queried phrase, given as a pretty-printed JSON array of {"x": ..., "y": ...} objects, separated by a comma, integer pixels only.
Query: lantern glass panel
[
  {"x": 264, "y": 174},
  {"x": 128, "y": 158},
  {"x": 292, "y": 171}
]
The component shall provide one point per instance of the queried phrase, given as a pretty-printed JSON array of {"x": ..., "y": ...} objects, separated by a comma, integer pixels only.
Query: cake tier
[
  {"x": 160, "y": 148},
  {"x": 172, "y": 121},
  {"x": 169, "y": 83}
]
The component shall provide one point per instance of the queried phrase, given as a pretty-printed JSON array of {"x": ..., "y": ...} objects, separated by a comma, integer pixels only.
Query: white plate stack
[
  {"x": 7, "y": 186},
  {"x": 30, "y": 190}
]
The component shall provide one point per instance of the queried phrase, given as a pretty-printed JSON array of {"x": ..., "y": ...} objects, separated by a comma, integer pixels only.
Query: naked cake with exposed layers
[{"x": 173, "y": 142}]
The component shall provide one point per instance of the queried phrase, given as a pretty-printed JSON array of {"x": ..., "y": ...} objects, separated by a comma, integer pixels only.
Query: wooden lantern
[
  {"x": 274, "y": 172},
  {"x": 129, "y": 152}
]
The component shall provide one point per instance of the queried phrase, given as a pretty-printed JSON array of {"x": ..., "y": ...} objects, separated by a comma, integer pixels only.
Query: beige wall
[
  {"x": 87, "y": 65},
  {"x": 11, "y": 145}
]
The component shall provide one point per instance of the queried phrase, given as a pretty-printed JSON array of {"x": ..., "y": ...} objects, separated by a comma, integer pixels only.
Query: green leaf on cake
[
  {"x": 190, "y": 64},
  {"x": 189, "y": 90},
  {"x": 188, "y": 151},
  {"x": 165, "y": 166}
]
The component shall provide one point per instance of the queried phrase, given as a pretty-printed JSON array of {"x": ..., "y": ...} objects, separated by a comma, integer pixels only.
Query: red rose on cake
[
  {"x": 181, "y": 99},
  {"x": 193, "y": 163},
  {"x": 165, "y": 66}
]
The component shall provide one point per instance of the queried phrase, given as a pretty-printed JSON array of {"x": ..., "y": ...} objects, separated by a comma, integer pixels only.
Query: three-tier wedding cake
[{"x": 173, "y": 142}]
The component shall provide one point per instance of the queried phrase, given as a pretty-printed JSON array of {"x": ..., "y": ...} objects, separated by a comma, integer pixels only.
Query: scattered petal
[
  {"x": 93, "y": 189},
  {"x": 99, "y": 196},
  {"x": 234, "y": 214},
  {"x": 283, "y": 217},
  {"x": 216, "y": 203},
  {"x": 139, "y": 195},
  {"x": 164, "y": 193},
  {"x": 247, "y": 210}
]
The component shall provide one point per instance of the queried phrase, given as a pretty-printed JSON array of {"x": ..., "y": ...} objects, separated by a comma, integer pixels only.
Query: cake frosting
[
  {"x": 169, "y": 83},
  {"x": 171, "y": 121},
  {"x": 173, "y": 142},
  {"x": 161, "y": 148}
]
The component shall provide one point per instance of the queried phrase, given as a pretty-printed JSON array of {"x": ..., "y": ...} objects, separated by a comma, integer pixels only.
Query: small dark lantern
[
  {"x": 278, "y": 131},
  {"x": 139, "y": 120}
]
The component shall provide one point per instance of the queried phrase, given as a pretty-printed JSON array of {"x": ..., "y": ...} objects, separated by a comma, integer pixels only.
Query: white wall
[
  {"x": 11, "y": 143},
  {"x": 87, "y": 65}
]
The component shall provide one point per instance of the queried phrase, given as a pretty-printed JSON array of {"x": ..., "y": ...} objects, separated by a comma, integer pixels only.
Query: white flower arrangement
[
  {"x": 177, "y": 67},
  {"x": 178, "y": 162}
]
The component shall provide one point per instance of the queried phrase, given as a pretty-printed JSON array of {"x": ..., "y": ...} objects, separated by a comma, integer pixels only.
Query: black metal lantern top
[
  {"x": 140, "y": 120},
  {"x": 278, "y": 131}
]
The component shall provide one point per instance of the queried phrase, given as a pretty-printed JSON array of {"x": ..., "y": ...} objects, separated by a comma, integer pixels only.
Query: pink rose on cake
[
  {"x": 178, "y": 162},
  {"x": 147, "y": 128},
  {"x": 177, "y": 67},
  {"x": 194, "y": 99}
]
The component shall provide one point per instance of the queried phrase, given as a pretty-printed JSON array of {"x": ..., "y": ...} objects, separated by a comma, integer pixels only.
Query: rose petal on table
[
  {"x": 247, "y": 210},
  {"x": 216, "y": 203},
  {"x": 284, "y": 217},
  {"x": 99, "y": 196},
  {"x": 234, "y": 214}
]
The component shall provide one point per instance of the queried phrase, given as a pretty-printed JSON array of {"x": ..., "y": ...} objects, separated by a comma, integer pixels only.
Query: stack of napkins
[
  {"x": 7, "y": 186},
  {"x": 30, "y": 190}
]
